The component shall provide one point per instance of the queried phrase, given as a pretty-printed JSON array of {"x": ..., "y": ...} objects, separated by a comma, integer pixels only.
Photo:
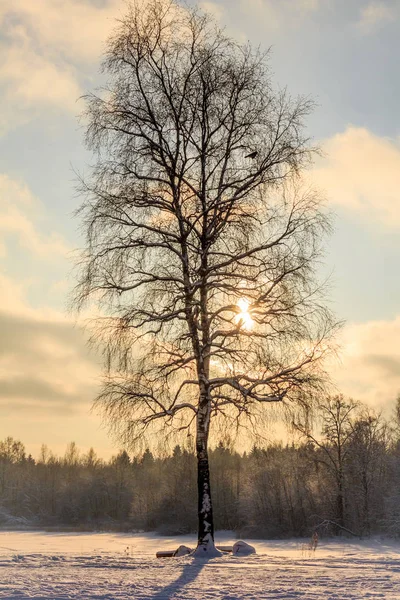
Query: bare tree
[
  {"x": 368, "y": 465},
  {"x": 337, "y": 416},
  {"x": 201, "y": 245}
]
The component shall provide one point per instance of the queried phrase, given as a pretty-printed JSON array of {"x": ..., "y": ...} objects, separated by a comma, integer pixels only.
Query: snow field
[{"x": 61, "y": 566}]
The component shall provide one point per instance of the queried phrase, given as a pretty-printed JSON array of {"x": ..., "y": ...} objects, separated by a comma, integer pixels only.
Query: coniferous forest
[{"x": 343, "y": 481}]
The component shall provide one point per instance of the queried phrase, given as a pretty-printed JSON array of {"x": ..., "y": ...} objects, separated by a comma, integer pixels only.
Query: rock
[
  {"x": 242, "y": 549},
  {"x": 182, "y": 551}
]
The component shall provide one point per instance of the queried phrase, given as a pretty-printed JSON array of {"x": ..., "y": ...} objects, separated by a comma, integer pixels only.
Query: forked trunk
[{"x": 205, "y": 545}]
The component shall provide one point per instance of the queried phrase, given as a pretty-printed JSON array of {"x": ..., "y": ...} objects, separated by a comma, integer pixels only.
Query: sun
[{"x": 244, "y": 317}]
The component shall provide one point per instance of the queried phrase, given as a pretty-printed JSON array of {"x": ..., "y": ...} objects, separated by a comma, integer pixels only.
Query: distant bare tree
[
  {"x": 337, "y": 415},
  {"x": 368, "y": 478},
  {"x": 201, "y": 245}
]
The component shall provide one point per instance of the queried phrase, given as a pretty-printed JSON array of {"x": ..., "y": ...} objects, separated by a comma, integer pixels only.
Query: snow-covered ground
[{"x": 121, "y": 566}]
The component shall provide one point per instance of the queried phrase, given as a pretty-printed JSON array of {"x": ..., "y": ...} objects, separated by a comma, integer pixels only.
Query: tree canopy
[{"x": 202, "y": 242}]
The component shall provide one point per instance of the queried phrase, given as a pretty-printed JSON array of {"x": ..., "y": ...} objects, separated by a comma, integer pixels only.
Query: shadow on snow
[{"x": 189, "y": 573}]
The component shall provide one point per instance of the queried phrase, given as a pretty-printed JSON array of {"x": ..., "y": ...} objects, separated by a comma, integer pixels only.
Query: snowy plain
[{"x": 111, "y": 566}]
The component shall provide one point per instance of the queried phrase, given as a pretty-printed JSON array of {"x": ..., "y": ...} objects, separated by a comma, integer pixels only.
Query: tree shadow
[{"x": 189, "y": 573}]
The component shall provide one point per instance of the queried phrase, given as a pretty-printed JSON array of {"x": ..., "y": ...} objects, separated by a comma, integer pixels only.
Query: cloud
[
  {"x": 46, "y": 368},
  {"x": 29, "y": 76},
  {"x": 274, "y": 13},
  {"x": 48, "y": 378},
  {"x": 20, "y": 213},
  {"x": 12, "y": 295},
  {"x": 361, "y": 173},
  {"x": 43, "y": 358},
  {"x": 215, "y": 9},
  {"x": 74, "y": 29},
  {"x": 48, "y": 48},
  {"x": 369, "y": 369},
  {"x": 44, "y": 365},
  {"x": 375, "y": 15},
  {"x": 283, "y": 8}
]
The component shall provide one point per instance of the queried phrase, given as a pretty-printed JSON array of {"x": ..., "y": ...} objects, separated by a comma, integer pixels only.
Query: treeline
[{"x": 345, "y": 481}]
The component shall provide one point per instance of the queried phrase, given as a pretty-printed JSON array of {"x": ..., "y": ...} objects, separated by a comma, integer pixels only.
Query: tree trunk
[
  {"x": 205, "y": 544},
  {"x": 366, "y": 528},
  {"x": 340, "y": 505}
]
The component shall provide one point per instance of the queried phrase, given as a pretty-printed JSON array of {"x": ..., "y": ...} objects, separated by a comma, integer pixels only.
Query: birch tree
[{"x": 201, "y": 244}]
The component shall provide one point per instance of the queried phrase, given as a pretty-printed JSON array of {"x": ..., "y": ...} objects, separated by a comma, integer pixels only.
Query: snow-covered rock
[
  {"x": 242, "y": 549},
  {"x": 182, "y": 551}
]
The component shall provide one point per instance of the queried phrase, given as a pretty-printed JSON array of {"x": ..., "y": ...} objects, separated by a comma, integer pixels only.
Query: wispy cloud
[
  {"x": 19, "y": 216},
  {"x": 45, "y": 363},
  {"x": 213, "y": 8},
  {"x": 30, "y": 79},
  {"x": 74, "y": 29},
  {"x": 375, "y": 15},
  {"x": 48, "y": 48},
  {"x": 369, "y": 369},
  {"x": 361, "y": 172},
  {"x": 274, "y": 13},
  {"x": 48, "y": 378}
]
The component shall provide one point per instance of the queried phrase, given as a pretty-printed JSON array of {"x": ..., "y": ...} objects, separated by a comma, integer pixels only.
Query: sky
[{"x": 343, "y": 54}]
